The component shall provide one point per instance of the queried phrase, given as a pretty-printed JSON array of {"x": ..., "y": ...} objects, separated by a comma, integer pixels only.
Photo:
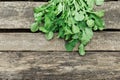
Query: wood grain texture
[
  {"x": 20, "y": 14},
  {"x": 59, "y": 66},
  {"x": 37, "y": 42},
  {"x": 40, "y": 59}
]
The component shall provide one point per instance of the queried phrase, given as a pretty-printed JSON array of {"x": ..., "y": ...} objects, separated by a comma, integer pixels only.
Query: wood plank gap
[
  {"x": 87, "y": 51},
  {"x": 21, "y": 30},
  {"x": 15, "y": 30}
]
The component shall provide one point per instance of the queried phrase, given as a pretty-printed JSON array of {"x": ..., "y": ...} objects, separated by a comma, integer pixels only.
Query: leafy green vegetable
[
  {"x": 81, "y": 50},
  {"x": 49, "y": 35},
  {"x": 34, "y": 27},
  {"x": 71, "y": 44},
  {"x": 99, "y": 2},
  {"x": 90, "y": 23},
  {"x": 79, "y": 16},
  {"x": 74, "y": 20},
  {"x": 75, "y": 29}
]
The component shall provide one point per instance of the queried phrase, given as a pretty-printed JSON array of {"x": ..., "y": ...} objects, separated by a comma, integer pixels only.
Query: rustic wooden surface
[
  {"x": 59, "y": 66},
  {"x": 36, "y": 42},
  {"x": 29, "y": 56},
  {"x": 20, "y": 14}
]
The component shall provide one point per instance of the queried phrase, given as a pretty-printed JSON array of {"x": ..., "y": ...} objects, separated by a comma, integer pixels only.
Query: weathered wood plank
[
  {"x": 59, "y": 66},
  {"x": 20, "y": 14},
  {"x": 37, "y": 42},
  {"x": 112, "y": 14}
]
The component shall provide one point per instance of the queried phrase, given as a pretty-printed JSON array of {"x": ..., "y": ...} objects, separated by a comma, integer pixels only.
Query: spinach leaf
[{"x": 73, "y": 20}]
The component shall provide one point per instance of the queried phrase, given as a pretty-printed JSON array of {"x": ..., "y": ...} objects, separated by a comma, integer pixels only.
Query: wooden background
[{"x": 29, "y": 56}]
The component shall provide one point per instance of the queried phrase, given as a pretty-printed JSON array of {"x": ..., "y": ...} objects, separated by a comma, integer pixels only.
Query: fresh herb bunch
[{"x": 74, "y": 20}]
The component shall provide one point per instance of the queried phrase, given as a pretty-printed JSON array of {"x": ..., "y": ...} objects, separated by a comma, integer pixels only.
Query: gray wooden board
[
  {"x": 37, "y": 42},
  {"x": 59, "y": 66},
  {"x": 20, "y": 14},
  {"x": 43, "y": 65}
]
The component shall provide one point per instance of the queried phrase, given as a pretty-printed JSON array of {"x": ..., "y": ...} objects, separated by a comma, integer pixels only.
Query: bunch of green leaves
[{"x": 73, "y": 20}]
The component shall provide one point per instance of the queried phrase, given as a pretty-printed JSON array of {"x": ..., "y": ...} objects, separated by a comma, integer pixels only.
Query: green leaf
[
  {"x": 47, "y": 21},
  {"x": 90, "y": 23},
  {"x": 90, "y": 4},
  {"x": 98, "y": 21},
  {"x": 43, "y": 29},
  {"x": 49, "y": 35},
  {"x": 75, "y": 29},
  {"x": 70, "y": 45},
  {"x": 70, "y": 21},
  {"x": 61, "y": 33},
  {"x": 34, "y": 27},
  {"x": 81, "y": 50},
  {"x": 99, "y": 13},
  {"x": 38, "y": 9},
  {"x": 95, "y": 28},
  {"x": 38, "y": 17},
  {"x": 99, "y": 2},
  {"x": 86, "y": 35},
  {"x": 76, "y": 36},
  {"x": 67, "y": 30},
  {"x": 79, "y": 16},
  {"x": 67, "y": 37},
  {"x": 60, "y": 8}
]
